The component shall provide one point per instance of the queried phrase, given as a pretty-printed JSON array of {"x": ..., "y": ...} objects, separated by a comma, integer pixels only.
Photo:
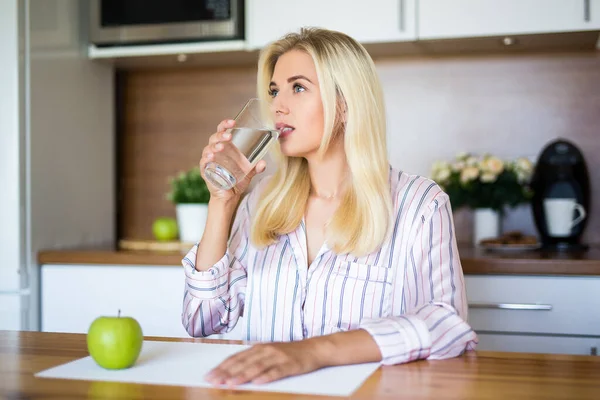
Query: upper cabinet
[
  {"x": 376, "y": 21},
  {"x": 443, "y": 19},
  {"x": 371, "y": 22}
]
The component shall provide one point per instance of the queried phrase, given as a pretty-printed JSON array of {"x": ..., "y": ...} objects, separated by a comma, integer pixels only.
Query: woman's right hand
[{"x": 214, "y": 146}]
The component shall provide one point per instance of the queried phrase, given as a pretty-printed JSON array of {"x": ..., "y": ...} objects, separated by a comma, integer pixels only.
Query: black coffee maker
[{"x": 561, "y": 199}]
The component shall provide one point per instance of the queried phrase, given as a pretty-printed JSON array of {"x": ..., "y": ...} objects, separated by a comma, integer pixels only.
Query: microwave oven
[{"x": 133, "y": 22}]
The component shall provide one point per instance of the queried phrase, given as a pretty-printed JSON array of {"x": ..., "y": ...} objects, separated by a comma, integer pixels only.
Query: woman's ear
[{"x": 341, "y": 113}]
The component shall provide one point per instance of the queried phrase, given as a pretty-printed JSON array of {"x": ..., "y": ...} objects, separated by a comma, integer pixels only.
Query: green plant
[
  {"x": 484, "y": 182},
  {"x": 188, "y": 187}
]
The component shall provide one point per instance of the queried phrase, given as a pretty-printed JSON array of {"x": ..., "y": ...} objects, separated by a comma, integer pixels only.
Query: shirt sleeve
[
  {"x": 434, "y": 324},
  {"x": 213, "y": 300}
]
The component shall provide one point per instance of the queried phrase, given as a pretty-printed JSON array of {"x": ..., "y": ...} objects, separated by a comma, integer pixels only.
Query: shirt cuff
[
  {"x": 209, "y": 284},
  {"x": 400, "y": 339}
]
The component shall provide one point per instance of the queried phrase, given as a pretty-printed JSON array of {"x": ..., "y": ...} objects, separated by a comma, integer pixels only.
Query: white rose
[
  {"x": 524, "y": 165},
  {"x": 488, "y": 177},
  {"x": 438, "y": 165},
  {"x": 492, "y": 164},
  {"x": 442, "y": 175},
  {"x": 522, "y": 177},
  {"x": 471, "y": 161},
  {"x": 468, "y": 174},
  {"x": 458, "y": 166}
]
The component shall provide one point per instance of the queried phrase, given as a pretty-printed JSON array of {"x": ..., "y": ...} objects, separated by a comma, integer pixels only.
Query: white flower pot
[
  {"x": 486, "y": 224},
  {"x": 191, "y": 219}
]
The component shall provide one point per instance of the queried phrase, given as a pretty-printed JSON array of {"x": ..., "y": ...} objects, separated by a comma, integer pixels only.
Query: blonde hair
[{"x": 348, "y": 83}]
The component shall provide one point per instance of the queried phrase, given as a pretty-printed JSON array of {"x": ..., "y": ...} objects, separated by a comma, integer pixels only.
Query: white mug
[{"x": 559, "y": 216}]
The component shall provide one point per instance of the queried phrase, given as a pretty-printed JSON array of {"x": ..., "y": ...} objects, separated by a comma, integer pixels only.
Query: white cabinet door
[
  {"x": 439, "y": 19},
  {"x": 10, "y": 311},
  {"x": 538, "y": 344},
  {"x": 74, "y": 295},
  {"x": 535, "y": 314},
  {"x": 593, "y": 14},
  {"x": 371, "y": 22},
  {"x": 556, "y": 305}
]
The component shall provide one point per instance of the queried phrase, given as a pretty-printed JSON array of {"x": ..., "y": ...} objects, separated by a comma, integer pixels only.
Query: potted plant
[
  {"x": 190, "y": 195},
  {"x": 485, "y": 184}
]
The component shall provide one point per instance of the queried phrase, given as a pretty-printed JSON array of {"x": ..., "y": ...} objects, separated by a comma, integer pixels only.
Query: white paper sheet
[{"x": 185, "y": 364}]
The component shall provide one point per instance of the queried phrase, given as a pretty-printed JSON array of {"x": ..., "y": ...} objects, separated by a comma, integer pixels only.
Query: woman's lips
[{"x": 284, "y": 130}]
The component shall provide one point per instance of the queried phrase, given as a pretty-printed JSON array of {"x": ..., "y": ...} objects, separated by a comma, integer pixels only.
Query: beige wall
[
  {"x": 507, "y": 105},
  {"x": 510, "y": 105}
]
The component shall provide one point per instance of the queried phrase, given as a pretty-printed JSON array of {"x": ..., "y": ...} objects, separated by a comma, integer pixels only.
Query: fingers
[
  {"x": 225, "y": 124},
  {"x": 250, "y": 371},
  {"x": 215, "y": 141},
  {"x": 240, "y": 368},
  {"x": 270, "y": 375},
  {"x": 260, "y": 167},
  {"x": 219, "y": 137}
]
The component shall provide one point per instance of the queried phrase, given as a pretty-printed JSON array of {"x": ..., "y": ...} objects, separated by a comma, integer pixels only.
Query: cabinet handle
[
  {"x": 402, "y": 15},
  {"x": 512, "y": 306},
  {"x": 586, "y": 10}
]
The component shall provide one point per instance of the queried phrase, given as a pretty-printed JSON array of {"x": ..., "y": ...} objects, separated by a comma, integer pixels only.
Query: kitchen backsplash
[{"x": 510, "y": 105}]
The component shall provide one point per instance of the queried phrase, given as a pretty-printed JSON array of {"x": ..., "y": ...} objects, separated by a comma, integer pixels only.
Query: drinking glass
[{"x": 251, "y": 138}]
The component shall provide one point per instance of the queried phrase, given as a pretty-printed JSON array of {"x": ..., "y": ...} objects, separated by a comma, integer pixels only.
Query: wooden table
[{"x": 477, "y": 375}]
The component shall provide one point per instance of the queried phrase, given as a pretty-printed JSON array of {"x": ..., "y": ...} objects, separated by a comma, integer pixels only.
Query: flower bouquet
[
  {"x": 487, "y": 185},
  {"x": 485, "y": 181}
]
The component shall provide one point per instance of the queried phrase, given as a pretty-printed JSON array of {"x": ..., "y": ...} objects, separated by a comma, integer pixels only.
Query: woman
[{"x": 337, "y": 258}]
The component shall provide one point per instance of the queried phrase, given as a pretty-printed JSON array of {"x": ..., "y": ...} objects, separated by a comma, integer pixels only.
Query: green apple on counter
[
  {"x": 115, "y": 342},
  {"x": 165, "y": 229}
]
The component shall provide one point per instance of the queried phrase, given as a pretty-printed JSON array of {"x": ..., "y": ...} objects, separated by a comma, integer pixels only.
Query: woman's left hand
[{"x": 267, "y": 362}]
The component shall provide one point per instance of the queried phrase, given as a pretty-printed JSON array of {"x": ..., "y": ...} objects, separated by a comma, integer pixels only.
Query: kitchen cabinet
[
  {"x": 443, "y": 19},
  {"x": 543, "y": 314},
  {"x": 371, "y": 22},
  {"x": 563, "y": 315},
  {"x": 74, "y": 295}
]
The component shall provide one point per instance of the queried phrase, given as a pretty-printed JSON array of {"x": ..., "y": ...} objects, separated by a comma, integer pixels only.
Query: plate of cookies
[{"x": 511, "y": 241}]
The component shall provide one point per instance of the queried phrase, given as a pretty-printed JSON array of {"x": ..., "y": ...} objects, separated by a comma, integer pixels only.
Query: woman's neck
[{"x": 328, "y": 175}]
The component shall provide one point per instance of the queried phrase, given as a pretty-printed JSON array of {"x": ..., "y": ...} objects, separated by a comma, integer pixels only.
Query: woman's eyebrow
[
  {"x": 296, "y": 77},
  {"x": 292, "y": 78}
]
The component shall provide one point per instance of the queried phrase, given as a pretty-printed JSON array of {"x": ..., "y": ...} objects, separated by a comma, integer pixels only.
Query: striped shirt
[{"x": 409, "y": 294}]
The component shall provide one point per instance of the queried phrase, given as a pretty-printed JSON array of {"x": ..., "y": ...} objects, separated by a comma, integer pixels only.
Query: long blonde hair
[{"x": 349, "y": 83}]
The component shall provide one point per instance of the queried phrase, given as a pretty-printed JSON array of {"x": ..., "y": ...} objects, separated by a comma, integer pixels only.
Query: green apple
[
  {"x": 164, "y": 229},
  {"x": 115, "y": 342}
]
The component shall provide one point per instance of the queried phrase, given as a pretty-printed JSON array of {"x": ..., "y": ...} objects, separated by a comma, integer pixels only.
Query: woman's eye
[
  {"x": 298, "y": 88},
  {"x": 273, "y": 92}
]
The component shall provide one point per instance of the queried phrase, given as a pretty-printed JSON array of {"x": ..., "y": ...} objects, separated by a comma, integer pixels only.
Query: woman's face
[{"x": 297, "y": 104}]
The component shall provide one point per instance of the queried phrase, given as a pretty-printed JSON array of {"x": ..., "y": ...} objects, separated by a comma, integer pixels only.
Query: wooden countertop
[
  {"x": 476, "y": 375},
  {"x": 474, "y": 261}
]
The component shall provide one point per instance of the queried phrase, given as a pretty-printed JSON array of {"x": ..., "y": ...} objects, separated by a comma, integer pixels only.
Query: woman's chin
[{"x": 289, "y": 150}]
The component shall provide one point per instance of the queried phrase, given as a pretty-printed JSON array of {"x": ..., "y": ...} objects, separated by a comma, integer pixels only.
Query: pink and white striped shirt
[{"x": 409, "y": 294}]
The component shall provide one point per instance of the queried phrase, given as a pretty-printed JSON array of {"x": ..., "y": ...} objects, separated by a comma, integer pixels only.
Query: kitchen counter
[
  {"x": 474, "y": 261},
  {"x": 475, "y": 375}
]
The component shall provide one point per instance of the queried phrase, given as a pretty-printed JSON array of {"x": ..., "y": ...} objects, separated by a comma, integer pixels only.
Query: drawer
[
  {"x": 538, "y": 344},
  {"x": 533, "y": 304}
]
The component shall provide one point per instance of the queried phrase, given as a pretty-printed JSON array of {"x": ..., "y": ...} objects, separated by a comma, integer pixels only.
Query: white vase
[
  {"x": 486, "y": 224},
  {"x": 191, "y": 219}
]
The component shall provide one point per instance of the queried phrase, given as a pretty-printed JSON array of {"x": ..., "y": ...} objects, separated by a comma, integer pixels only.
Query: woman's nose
[{"x": 279, "y": 106}]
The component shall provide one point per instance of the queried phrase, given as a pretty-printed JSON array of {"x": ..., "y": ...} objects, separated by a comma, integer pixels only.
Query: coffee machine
[{"x": 561, "y": 199}]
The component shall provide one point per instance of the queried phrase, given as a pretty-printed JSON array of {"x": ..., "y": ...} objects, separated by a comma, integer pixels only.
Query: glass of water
[{"x": 251, "y": 138}]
